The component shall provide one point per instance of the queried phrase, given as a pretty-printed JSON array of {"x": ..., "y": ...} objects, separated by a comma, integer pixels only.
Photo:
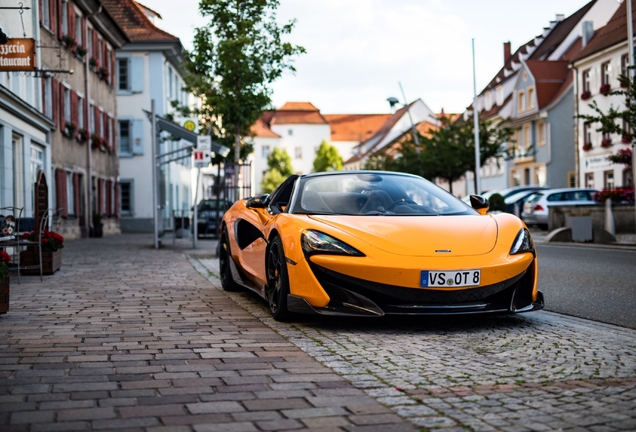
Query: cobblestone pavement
[
  {"x": 127, "y": 338},
  {"x": 533, "y": 372}
]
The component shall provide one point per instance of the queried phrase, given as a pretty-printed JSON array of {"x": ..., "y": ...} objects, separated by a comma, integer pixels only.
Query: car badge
[{"x": 442, "y": 250}]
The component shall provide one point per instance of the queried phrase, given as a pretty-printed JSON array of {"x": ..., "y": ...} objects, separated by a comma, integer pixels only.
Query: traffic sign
[
  {"x": 204, "y": 142},
  {"x": 201, "y": 158}
]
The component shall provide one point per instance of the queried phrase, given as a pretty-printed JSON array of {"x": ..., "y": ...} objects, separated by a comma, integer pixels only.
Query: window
[
  {"x": 527, "y": 136},
  {"x": 70, "y": 195},
  {"x": 67, "y": 105},
  {"x": 48, "y": 96},
  {"x": 530, "y": 97},
  {"x": 488, "y": 100},
  {"x": 79, "y": 36},
  {"x": 80, "y": 113},
  {"x": 101, "y": 122},
  {"x": 125, "y": 144},
  {"x": 500, "y": 95},
  {"x": 91, "y": 119},
  {"x": 125, "y": 197},
  {"x": 586, "y": 80},
  {"x": 572, "y": 179},
  {"x": 515, "y": 175},
  {"x": 605, "y": 73},
  {"x": 587, "y": 135},
  {"x": 541, "y": 129},
  {"x": 17, "y": 142},
  {"x": 170, "y": 82},
  {"x": 123, "y": 82},
  {"x": 540, "y": 175},
  {"x": 608, "y": 179},
  {"x": 521, "y": 101},
  {"x": 37, "y": 165},
  {"x": 89, "y": 42},
  {"x": 64, "y": 18},
  {"x": 46, "y": 14},
  {"x": 589, "y": 180},
  {"x": 265, "y": 151},
  {"x": 624, "y": 64},
  {"x": 298, "y": 152},
  {"x": 290, "y": 132}
]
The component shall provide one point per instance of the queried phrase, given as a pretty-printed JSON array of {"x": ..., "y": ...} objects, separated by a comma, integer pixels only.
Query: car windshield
[
  {"x": 375, "y": 194},
  {"x": 516, "y": 197}
]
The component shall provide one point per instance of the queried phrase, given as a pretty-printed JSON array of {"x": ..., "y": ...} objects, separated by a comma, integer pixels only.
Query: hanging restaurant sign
[{"x": 18, "y": 54}]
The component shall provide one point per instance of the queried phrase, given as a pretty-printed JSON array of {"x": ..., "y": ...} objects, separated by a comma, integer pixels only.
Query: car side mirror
[
  {"x": 258, "y": 201},
  {"x": 479, "y": 203}
]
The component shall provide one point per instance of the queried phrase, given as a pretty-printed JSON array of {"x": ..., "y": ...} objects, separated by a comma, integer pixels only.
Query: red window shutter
[
  {"x": 60, "y": 189},
  {"x": 84, "y": 41},
  {"x": 97, "y": 119},
  {"x": 56, "y": 108},
  {"x": 107, "y": 130},
  {"x": 95, "y": 48},
  {"x": 100, "y": 206},
  {"x": 53, "y": 15},
  {"x": 112, "y": 66},
  {"x": 87, "y": 125},
  {"x": 59, "y": 18},
  {"x": 76, "y": 194},
  {"x": 71, "y": 19},
  {"x": 61, "y": 118},
  {"x": 117, "y": 198}
]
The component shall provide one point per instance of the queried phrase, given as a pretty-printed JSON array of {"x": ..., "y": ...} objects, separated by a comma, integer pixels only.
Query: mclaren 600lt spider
[{"x": 373, "y": 243}]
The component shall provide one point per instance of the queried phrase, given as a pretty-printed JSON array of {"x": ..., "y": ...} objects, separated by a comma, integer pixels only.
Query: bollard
[{"x": 609, "y": 218}]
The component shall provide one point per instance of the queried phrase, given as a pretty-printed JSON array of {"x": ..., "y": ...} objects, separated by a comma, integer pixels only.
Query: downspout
[{"x": 576, "y": 127}]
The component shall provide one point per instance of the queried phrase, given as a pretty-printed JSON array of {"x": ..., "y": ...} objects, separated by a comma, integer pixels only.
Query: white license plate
[{"x": 447, "y": 279}]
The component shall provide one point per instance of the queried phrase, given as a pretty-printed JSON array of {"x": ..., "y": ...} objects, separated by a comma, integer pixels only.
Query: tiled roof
[
  {"x": 261, "y": 129},
  {"x": 564, "y": 87},
  {"x": 354, "y": 127},
  {"x": 298, "y": 106},
  {"x": 615, "y": 31},
  {"x": 549, "y": 76},
  {"x": 297, "y": 117},
  {"x": 559, "y": 33},
  {"x": 135, "y": 23}
]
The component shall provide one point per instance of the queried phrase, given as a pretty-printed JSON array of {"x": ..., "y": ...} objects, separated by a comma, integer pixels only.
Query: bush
[{"x": 496, "y": 203}]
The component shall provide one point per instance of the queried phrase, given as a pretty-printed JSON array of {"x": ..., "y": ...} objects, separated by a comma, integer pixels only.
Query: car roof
[{"x": 336, "y": 173}]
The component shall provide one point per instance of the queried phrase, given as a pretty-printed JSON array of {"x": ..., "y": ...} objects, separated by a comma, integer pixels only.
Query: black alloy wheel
[
  {"x": 227, "y": 282},
  {"x": 277, "y": 281}
]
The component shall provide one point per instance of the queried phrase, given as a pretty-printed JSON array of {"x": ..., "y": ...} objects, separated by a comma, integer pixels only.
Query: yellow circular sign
[{"x": 189, "y": 125}]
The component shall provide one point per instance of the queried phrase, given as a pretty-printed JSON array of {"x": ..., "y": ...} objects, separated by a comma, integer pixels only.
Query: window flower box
[
  {"x": 103, "y": 73},
  {"x": 93, "y": 63},
  {"x": 80, "y": 51},
  {"x": 587, "y": 146},
  {"x": 627, "y": 139},
  {"x": 69, "y": 130},
  {"x": 82, "y": 136},
  {"x": 51, "y": 261},
  {"x": 605, "y": 89},
  {"x": 586, "y": 95},
  {"x": 606, "y": 143},
  {"x": 69, "y": 42}
]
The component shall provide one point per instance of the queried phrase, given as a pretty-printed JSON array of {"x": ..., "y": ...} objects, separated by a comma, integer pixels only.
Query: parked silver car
[{"x": 535, "y": 209}]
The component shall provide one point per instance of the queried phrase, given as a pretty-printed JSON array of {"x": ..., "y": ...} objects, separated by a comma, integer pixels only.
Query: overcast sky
[{"x": 358, "y": 50}]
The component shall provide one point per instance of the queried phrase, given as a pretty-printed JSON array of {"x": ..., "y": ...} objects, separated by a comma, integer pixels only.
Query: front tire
[
  {"x": 277, "y": 281},
  {"x": 227, "y": 282}
]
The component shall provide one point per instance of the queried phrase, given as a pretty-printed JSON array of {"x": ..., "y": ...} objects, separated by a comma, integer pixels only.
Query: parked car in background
[
  {"x": 536, "y": 207},
  {"x": 507, "y": 192},
  {"x": 515, "y": 202},
  {"x": 207, "y": 215}
]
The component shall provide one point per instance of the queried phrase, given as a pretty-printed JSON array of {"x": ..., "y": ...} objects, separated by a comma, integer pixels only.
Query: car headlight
[
  {"x": 523, "y": 243},
  {"x": 317, "y": 242}
]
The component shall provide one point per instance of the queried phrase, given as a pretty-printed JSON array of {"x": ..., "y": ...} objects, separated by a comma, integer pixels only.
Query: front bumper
[{"x": 357, "y": 297}]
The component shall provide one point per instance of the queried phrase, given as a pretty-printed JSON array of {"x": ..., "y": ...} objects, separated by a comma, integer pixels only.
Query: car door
[{"x": 253, "y": 230}]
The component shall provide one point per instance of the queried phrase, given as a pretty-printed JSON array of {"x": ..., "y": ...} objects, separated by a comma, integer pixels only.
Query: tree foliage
[
  {"x": 448, "y": 152},
  {"x": 279, "y": 165},
  {"x": 236, "y": 56},
  {"x": 327, "y": 158}
]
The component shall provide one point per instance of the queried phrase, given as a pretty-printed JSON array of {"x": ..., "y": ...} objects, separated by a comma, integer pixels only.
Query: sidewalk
[
  {"x": 125, "y": 337},
  {"x": 623, "y": 241}
]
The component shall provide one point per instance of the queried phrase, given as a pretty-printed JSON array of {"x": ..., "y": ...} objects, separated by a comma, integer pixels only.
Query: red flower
[
  {"x": 586, "y": 95},
  {"x": 587, "y": 146},
  {"x": 605, "y": 89},
  {"x": 5, "y": 257}
]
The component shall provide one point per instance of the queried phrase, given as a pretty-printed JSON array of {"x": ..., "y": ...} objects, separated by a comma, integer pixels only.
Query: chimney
[
  {"x": 507, "y": 54},
  {"x": 588, "y": 31},
  {"x": 559, "y": 17}
]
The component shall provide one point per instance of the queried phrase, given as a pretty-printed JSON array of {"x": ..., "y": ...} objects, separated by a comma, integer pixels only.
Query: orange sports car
[{"x": 373, "y": 243}]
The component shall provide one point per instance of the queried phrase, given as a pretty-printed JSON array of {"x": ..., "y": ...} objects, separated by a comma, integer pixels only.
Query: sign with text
[
  {"x": 204, "y": 143},
  {"x": 18, "y": 54},
  {"x": 201, "y": 158}
]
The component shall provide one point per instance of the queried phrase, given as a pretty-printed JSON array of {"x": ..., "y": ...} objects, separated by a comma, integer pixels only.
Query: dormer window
[
  {"x": 521, "y": 101},
  {"x": 500, "y": 95},
  {"x": 530, "y": 98},
  {"x": 488, "y": 100}
]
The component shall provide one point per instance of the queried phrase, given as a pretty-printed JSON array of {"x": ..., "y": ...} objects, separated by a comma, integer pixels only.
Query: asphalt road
[{"x": 592, "y": 283}]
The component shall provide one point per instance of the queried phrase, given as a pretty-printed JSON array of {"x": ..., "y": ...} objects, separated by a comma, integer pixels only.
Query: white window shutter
[
  {"x": 136, "y": 74},
  {"x": 137, "y": 137}
]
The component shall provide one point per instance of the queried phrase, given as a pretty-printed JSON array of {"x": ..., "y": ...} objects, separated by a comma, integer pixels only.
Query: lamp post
[{"x": 394, "y": 101}]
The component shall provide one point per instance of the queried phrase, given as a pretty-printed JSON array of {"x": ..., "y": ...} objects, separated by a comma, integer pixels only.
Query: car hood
[{"x": 420, "y": 236}]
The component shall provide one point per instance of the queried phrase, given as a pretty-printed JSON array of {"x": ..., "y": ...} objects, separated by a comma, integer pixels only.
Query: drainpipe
[{"x": 89, "y": 144}]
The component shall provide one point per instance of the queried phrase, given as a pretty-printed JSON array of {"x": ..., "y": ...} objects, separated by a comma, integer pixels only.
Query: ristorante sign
[{"x": 18, "y": 55}]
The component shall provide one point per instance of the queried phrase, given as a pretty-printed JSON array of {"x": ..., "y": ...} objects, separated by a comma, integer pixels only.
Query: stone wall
[{"x": 624, "y": 216}]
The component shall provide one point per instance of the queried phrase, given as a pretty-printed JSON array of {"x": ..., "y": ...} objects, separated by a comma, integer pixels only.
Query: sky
[{"x": 358, "y": 51}]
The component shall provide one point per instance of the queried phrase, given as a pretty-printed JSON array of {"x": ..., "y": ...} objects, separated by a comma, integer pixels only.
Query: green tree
[
  {"x": 279, "y": 165},
  {"x": 327, "y": 158},
  {"x": 236, "y": 56}
]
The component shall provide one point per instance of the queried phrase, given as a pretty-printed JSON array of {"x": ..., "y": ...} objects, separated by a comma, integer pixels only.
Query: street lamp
[{"x": 394, "y": 101}]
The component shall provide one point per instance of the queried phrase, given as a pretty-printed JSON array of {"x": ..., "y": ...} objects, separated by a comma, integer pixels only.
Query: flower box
[
  {"x": 606, "y": 143},
  {"x": 587, "y": 146},
  {"x": 51, "y": 261},
  {"x": 605, "y": 89},
  {"x": 626, "y": 139},
  {"x": 4, "y": 294},
  {"x": 586, "y": 95}
]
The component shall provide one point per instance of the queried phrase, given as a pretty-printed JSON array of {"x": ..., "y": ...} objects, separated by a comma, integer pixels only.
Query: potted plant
[
  {"x": 605, "y": 89},
  {"x": 97, "y": 141},
  {"x": 98, "y": 225},
  {"x": 69, "y": 41},
  {"x": 80, "y": 51},
  {"x": 5, "y": 258},
  {"x": 93, "y": 63},
  {"x": 52, "y": 245},
  {"x": 69, "y": 129},
  {"x": 82, "y": 136},
  {"x": 587, "y": 146},
  {"x": 586, "y": 95},
  {"x": 623, "y": 156},
  {"x": 103, "y": 73},
  {"x": 607, "y": 142}
]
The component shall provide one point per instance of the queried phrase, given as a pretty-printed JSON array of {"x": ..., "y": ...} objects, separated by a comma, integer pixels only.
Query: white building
[
  {"x": 147, "y": 69},
  {"x": 598, "y": 65}
]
